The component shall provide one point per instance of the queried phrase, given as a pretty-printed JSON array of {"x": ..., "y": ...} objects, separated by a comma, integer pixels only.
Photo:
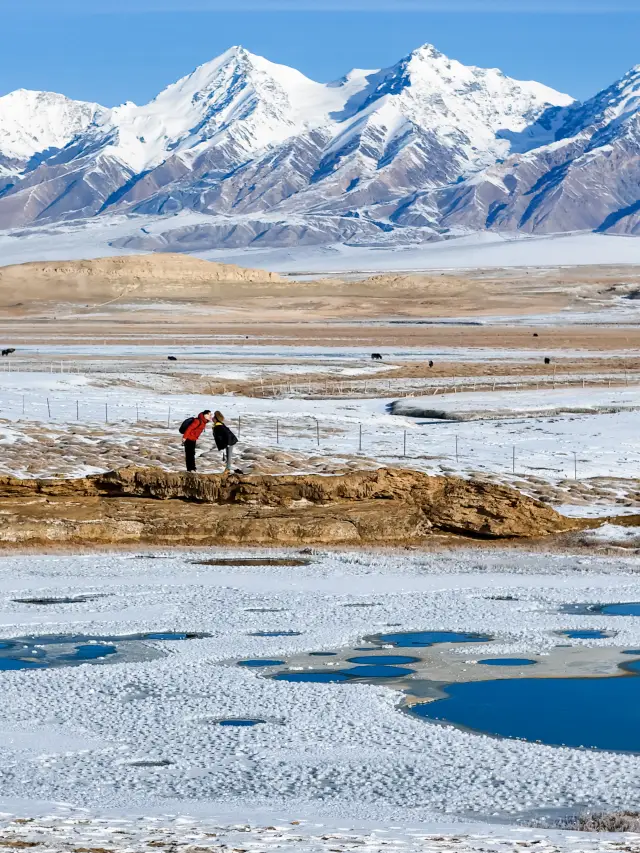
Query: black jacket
[{"x": 223, "y": 436}]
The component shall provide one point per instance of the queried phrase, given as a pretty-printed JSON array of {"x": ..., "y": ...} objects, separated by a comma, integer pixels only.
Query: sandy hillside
[{"x": 137, "y": 276}]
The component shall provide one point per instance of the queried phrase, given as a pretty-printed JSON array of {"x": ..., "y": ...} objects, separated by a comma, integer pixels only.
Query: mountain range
[{"x": 424, "y": 150}]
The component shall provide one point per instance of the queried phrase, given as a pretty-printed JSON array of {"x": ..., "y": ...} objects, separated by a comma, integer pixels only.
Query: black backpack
[{"x": 184, "y": 426}]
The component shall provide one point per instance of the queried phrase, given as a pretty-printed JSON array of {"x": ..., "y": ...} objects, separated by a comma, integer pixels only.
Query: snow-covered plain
[
  {"x": 93, "y": 238},
  {"x": 473, "y": 251},
  {"x": 73, "y": 738}
]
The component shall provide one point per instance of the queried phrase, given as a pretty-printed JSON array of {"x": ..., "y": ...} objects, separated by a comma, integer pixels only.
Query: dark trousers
[{"x": 190, "y": 454}]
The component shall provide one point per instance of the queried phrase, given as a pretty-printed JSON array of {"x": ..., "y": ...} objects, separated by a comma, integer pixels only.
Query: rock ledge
[{"x": 152, "y": 506}]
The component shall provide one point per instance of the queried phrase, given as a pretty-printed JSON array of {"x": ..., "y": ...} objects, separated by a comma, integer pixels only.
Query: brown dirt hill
[
  {"x": 134, "y": 276},
  {"x": 151, "y": 506}
]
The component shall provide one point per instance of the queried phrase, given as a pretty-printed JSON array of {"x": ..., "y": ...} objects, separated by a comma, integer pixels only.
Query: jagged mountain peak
[
  {"x": 236, "y": 60},
  {"x": 615, "y": 104},
  {"x": 238, "y": 99}
]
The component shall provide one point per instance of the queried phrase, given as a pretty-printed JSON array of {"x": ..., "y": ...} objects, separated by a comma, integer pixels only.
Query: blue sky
[{"x": 130, "y": 49}]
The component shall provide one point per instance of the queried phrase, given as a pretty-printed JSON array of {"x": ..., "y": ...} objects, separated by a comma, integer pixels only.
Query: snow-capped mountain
[
  {"x": 272, "y": 158},
  {"x": 34, "y": 124},
  {"x": 586, "y": 178}
]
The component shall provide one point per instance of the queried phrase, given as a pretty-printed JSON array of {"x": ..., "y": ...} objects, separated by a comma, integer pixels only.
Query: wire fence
[{"x": 444, "y": 445}]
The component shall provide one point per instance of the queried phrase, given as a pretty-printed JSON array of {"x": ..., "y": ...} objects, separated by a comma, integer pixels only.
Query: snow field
[
  {"x": 70, "y": 827},
  {"x": 344, "y": 752},
  {"x": 468, "y": 251}
]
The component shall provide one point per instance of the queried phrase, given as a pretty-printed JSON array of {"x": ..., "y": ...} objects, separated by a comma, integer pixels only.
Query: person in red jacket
[{"x": 191, "y": 436}]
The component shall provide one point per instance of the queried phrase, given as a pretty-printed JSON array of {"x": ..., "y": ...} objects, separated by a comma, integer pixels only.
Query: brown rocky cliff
[{"x": 148, "y": 505}]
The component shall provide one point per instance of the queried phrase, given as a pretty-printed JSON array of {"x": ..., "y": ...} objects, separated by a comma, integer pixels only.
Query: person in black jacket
[{"x": 224, "y": 439}]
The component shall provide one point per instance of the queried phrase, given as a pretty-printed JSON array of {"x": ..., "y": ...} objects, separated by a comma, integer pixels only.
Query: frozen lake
[{"x": 142, "y": 732}]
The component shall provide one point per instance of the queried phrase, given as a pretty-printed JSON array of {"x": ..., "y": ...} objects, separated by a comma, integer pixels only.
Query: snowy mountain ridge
[
  {"x": 32, "y": 123},
  {"x": 424, "y": 149}
]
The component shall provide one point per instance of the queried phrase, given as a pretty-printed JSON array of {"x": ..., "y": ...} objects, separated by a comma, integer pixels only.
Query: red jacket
[{"x": 195, "y": 428}]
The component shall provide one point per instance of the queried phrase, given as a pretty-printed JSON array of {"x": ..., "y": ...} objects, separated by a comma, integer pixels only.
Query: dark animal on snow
[
  {"x": 8, "y": 351},
  {"x": 171, "y": 358},
  {"x": 375, "y": 356},
  {"x": 547, "y": 361},
  {"x": 430, "y": 364}
]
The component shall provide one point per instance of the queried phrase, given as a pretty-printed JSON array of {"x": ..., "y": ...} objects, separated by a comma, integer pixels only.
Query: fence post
[
  {"x": 23, "y": 404},
  {"x": 277, "y": 431},
  {"x": 318, "y": 432},
  {"x": 239, "y": 424},
  {"x": 456, "y": 448},
  {"x": 404, "y": 444},
  {"x": 106, "y": 413},
  {"x": 575, "y": 466},
  {"x": 514, "y": 459},
  {"x": 77, "y": 410},
  {"x": 48, "y": 408},
  {"x": 169, "y": 417},
  {"x": 360, "y": 440}
]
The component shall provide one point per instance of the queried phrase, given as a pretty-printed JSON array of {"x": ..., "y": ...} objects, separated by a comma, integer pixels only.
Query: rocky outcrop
[{"x": 152, "y": 506}]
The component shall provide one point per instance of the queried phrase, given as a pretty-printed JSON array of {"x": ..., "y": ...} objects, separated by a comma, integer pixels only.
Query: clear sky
[{"x": 130, "y": 49}]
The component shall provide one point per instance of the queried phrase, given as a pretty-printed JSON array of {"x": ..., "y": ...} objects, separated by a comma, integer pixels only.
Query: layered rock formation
[{"x": 151, "y": 506}]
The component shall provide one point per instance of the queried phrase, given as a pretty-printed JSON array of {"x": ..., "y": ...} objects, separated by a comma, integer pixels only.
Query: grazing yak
[
  {"x": 8, "y": 351},
  {"x": 376, "y": 356}
]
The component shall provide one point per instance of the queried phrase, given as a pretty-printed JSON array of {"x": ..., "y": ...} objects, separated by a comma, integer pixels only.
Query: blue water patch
[
  {"x": 390, "y": 660},
  {"x": 585, "y": 634},
  {"x": 507, "y": 662},
  {"x": 421, "y": 639},
  {"x": 241, "y": 723},
  {"x": 547, "y": 710},
  {"x": 629, "y": 608},
  {"x": 261, "y": 663},
  {"x": 91, "y": 652},
  {"x": 322, "y": 677},
  {"x": 71, "y": 650},
  {"x": 368, "y": 671},
  {"x": 20, "y": 663},
  {"x": 374, "y": 671},
  {"x": 171, "y": 635},
  {"x": 622, "y": 608}
]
